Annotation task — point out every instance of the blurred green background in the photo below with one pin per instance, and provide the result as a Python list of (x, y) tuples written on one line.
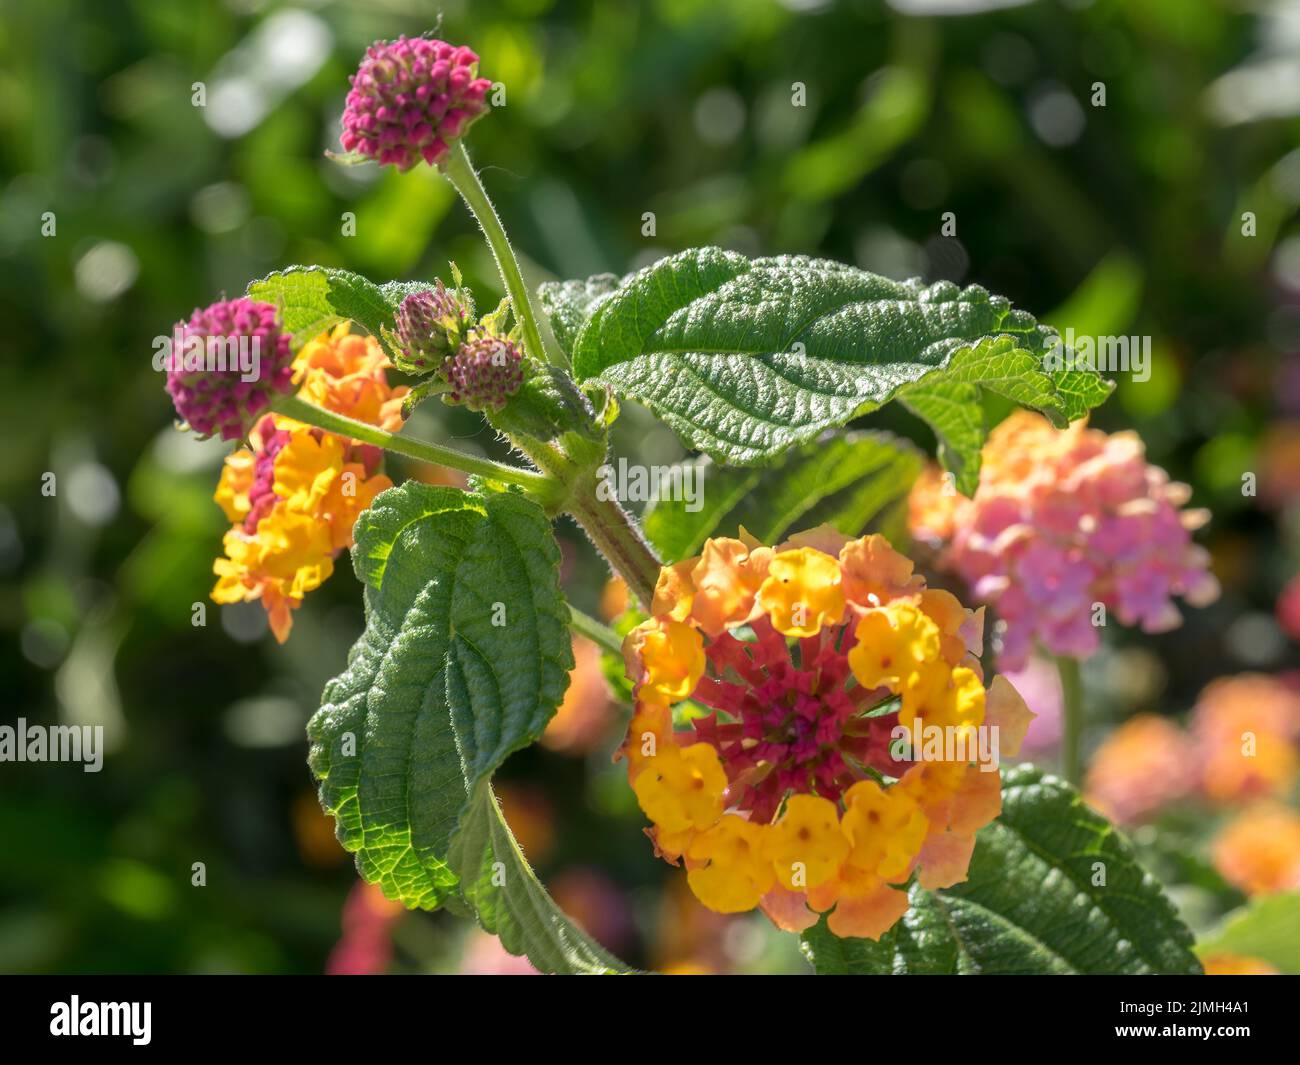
[(1122, 218)]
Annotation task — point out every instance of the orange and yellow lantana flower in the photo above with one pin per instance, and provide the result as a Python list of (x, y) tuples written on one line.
[(293, 495), (793, 794)]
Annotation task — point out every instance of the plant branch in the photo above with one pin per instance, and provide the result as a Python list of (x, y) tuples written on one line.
[(537, 484), (458, 169), (598, 633), (617, 537)]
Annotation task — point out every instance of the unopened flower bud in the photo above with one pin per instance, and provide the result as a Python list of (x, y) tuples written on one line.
[(430, 327), (485, 373)]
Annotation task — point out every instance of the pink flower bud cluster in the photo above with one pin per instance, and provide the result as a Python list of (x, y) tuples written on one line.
[(225, 366), (1066, 522), (430, 327), (485, 372), (411, 99)]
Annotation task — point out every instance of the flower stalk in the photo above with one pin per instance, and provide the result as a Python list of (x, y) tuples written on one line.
[(605, 522), (1072, 717), (539, 485), (601, 635), (458, 169), (608, 525)]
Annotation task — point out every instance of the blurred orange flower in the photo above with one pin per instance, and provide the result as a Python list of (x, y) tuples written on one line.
[(1144, 764), (528, 812), (1279, 464), (585, 716), (1241, 744), (1259, 851), (1245, 730), (1238, 965)]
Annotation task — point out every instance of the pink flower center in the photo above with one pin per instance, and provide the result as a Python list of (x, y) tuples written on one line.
[(784, 727), (262, 497)]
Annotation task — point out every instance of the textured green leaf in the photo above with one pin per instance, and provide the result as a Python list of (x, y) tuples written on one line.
[(1031, 903), (397, 798), (745, 359), (511, 902), (464, 658), (954, 411), (848, 480), (1267, 928), (568, 304), (510, 649), (315, 298)]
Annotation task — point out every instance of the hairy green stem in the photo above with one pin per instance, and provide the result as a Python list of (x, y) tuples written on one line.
[(537, 484), (458, 169), (607, 524), (1072, 717), (599, 634), (617, 537)]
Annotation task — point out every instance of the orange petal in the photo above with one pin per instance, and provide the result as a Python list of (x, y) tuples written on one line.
[(945, 858), (674, 591), (1005, 708), (972, 631), (978, 800), (788, 910), (278, 611), (868, 916), (726, 579), (872, 568), (824, 537)]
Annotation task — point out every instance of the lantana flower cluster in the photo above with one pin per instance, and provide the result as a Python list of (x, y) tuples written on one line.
[(411, 100), (789, 794), (294, 495), (1063, 520), (226, 365)]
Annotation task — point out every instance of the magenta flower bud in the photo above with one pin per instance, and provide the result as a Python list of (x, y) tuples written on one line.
[(411, 99), (430, 327), (485, 373), (225, 366)]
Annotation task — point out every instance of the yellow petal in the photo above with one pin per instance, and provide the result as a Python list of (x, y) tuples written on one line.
[(802, 592), (807, 846)]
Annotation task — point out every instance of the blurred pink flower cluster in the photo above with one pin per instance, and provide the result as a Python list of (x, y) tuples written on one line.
[(1064, 520)]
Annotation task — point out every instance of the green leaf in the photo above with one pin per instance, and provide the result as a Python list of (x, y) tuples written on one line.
[(1267, 928), (315, 298), (745, 359), (382, 742), (848, 480), (568, 304), (464, 658), (511, 902), (955, 412), (1032, 903)]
